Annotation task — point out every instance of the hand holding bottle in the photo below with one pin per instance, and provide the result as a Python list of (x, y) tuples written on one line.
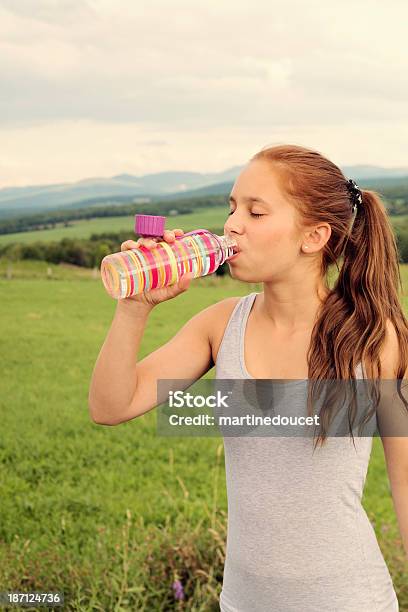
[(161, 294), (160, 259)]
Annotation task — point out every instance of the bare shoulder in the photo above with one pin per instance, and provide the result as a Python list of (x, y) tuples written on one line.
[(218, 315), (389, 354)]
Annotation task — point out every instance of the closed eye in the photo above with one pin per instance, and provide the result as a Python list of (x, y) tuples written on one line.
[(252, 214)]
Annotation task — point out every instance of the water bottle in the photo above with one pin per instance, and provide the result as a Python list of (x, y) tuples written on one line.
[(137, 270)]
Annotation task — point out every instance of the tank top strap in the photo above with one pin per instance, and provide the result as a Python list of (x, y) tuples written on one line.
[(228, 359)]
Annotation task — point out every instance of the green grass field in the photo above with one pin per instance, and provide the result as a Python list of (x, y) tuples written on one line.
[(203, 218), (399, 219), (112, 515)]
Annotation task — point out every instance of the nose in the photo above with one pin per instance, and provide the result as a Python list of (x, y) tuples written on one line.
[(233, 225)]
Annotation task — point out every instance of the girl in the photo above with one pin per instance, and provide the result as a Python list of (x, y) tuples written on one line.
[(298, 539)]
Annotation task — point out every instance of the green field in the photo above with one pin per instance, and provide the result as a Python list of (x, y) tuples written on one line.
[(399, 220), (203, 218), (112, 515)]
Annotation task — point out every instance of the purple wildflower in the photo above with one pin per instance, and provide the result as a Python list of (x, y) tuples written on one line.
[(178, 589)]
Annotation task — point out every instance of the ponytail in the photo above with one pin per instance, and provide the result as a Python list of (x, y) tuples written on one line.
[(352, 322)]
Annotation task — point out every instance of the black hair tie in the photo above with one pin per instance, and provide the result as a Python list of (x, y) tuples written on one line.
[(355, 194)]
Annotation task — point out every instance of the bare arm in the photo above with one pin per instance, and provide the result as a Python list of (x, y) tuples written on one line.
[(395, 448), (114, 378), (122, 388), (396, 455)]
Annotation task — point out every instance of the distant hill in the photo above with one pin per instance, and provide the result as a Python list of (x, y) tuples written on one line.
[(149, 185), (125, 187), (374, 172)]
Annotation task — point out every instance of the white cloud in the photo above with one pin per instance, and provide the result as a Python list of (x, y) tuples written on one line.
[(71, 150), (181, 72)]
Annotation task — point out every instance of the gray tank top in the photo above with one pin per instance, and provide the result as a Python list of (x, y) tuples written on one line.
[(298, 537)]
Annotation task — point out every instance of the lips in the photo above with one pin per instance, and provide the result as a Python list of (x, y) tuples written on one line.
[(236, 252)]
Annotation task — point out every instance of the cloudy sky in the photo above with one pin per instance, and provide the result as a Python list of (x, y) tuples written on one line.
[(101, 87)]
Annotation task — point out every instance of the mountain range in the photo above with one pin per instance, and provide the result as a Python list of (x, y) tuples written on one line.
[(93, 191)]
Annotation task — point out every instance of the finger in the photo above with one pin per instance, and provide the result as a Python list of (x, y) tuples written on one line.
[(144, 241), (129, 244), (185, 280), (152, 240), (181, 285), (169, 235), (178, 232), (150, 243)]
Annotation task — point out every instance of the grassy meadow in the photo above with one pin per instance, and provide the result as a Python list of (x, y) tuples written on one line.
[(202, 218), (113, 516)]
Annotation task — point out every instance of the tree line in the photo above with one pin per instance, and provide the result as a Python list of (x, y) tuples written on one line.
[(89, 252), (395, 197), (48, 220), (84, 252)]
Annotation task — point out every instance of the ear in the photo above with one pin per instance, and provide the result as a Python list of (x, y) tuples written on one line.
[(316, 238)]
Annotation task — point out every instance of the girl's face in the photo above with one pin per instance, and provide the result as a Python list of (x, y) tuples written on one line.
[(262, 221)]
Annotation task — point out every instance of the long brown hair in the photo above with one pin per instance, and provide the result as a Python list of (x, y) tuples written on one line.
[(351, 323)]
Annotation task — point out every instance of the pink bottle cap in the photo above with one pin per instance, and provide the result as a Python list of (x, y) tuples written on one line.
[(149, 225)]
